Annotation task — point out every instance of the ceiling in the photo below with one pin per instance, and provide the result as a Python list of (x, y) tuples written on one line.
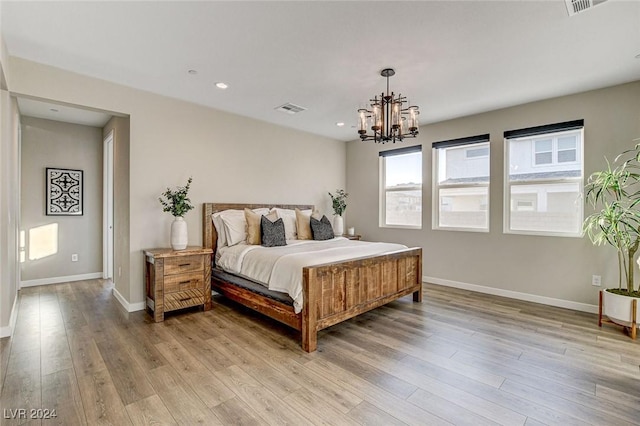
[(452, 58), (62, 112)]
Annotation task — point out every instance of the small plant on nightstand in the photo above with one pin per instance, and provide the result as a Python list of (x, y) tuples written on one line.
[(177, 203), (339, 205)]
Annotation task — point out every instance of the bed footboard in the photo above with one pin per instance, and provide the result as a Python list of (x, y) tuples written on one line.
[(338, 291)]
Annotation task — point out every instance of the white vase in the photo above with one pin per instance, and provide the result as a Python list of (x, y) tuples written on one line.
[(179, 235), (338, 225)]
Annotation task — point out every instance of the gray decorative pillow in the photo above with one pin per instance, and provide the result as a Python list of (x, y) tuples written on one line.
[(272, 233), (321, 229)]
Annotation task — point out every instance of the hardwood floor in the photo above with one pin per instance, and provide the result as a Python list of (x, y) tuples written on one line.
[(457, 358)]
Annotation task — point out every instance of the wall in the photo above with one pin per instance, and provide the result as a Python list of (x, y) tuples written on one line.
[(120, 128), (231, 158), (9, 199), (549, 269), (47, 143)]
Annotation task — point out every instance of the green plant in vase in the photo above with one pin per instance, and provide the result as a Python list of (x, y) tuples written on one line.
[(339, 202), (177, 203), (615, 195)]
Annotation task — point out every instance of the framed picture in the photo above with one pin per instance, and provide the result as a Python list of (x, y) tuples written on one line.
[(64, 192)]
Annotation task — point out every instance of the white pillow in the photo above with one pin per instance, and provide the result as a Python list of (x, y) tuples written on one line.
[(222, 236), (235, 225), (289, 219)]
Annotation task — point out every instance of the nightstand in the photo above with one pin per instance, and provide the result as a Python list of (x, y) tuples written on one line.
[(352, 237), (177, 279)]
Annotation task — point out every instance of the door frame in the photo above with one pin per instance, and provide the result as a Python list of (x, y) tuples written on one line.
[(107, 206)]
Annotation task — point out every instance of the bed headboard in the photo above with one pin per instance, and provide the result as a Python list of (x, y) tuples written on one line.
[(209, 234)]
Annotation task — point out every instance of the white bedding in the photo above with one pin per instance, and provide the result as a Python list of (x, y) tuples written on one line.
[(280, 268)]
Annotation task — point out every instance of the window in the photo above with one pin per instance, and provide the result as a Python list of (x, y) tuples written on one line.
[(477, 152), (401, 187), (461, 184), (562, 149), (543, 188)]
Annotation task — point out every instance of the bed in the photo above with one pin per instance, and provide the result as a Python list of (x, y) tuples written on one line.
[(332, 292)]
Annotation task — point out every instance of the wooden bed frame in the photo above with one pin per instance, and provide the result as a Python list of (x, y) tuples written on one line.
[(333, 292)]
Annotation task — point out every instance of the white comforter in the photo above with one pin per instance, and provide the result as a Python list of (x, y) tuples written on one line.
[(280, 268)]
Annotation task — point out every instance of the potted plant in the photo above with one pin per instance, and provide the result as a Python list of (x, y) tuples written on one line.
[(178, 204), (339, 204), (615, 195)]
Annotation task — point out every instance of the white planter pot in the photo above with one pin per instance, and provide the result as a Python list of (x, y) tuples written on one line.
[(179, 234), (618, 308), (338, 225)]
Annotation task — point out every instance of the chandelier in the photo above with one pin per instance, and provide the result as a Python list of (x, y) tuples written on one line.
[(388, 118)]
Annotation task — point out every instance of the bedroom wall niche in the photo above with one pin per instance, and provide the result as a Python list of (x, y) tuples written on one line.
[(552, 270), (51, 240)]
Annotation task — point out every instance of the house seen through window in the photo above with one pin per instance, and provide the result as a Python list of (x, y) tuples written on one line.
[(461, 184), (544, 174), (401, 187)]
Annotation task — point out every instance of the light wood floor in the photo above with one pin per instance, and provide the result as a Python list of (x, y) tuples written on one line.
[(457, 358)]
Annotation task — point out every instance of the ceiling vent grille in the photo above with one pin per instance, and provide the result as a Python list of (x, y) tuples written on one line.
[(576, 6), (290, 108)]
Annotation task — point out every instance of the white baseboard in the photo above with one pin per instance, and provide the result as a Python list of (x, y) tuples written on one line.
[(58, 280), (129, 307), (560, 303), (7, 331)]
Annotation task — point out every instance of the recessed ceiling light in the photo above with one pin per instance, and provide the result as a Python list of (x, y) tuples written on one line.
[(192, 72), (221, 85), (53, 110), (339, 124)]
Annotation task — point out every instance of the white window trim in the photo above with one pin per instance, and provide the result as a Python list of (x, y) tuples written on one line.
[(435, 197), (382, 199), (506, 211)]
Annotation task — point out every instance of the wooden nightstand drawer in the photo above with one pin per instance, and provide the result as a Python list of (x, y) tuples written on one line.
[(182, 264), (183, 299), (173, 283)]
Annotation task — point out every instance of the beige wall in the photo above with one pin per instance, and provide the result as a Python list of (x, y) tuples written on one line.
[(9, 209), (9, 198), (231, 158), (121, 261), (47, 143), (546, 267)]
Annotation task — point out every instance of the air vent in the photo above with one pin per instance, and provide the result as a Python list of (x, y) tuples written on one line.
[(576, 6), (290, 108)]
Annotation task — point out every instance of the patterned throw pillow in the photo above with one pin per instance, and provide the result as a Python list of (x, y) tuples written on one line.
[(321, 229), (272, 233)]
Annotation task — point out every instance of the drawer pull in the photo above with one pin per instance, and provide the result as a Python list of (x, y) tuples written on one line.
[(185, 299), (185, 282), (184, 264)]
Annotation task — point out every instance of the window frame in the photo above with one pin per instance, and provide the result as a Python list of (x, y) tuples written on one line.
[(466, 143), (382, 190), (554, 131)]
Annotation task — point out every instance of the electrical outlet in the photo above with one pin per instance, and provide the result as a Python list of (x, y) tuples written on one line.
[(74, 257), (596, 280), (119, 271)]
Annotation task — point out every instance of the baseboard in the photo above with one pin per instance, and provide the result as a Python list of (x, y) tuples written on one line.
[(7, 331), (58, 280), (129, 307), (560, 303)]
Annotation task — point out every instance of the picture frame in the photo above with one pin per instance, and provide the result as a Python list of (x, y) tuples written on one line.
[(64, 192)]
